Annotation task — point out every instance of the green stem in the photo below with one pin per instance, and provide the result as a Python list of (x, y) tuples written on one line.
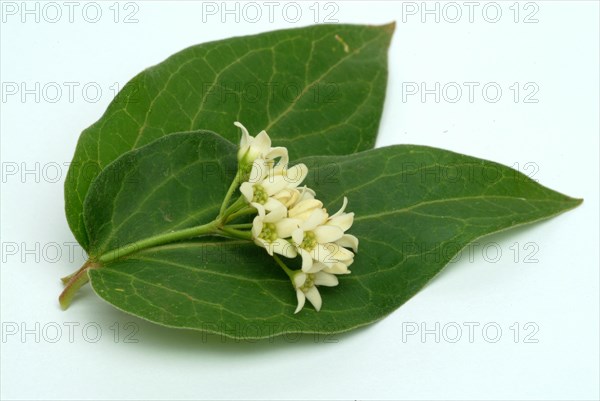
[(230, 191), (210, 228), (235, 206), (232, 232), (75, 283), (286, 269), (68, 278), (242, 225), (241, 212), (76, 280)]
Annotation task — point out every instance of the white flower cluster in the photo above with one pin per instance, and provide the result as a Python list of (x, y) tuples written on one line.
[(291, 221)]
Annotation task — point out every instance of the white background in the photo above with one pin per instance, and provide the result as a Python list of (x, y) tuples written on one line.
[(554, 300)]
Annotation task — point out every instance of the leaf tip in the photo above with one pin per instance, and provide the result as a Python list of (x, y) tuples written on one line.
[(572, 202), (389, 28)]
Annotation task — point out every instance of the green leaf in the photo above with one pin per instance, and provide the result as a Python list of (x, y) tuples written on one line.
[(315, 90), (176, 182), (415, 206)]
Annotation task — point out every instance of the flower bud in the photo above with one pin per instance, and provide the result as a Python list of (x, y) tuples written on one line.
[(252, 148)]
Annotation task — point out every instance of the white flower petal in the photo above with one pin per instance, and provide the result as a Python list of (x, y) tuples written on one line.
[(247, 190), (301, 300), (325, 234), (282, 247), (296, 174), (286, 227), (329, 254), (276, 214), (305, 206), (344, 204), (326, 279), (280, 152), (343, 221), (306, 193), (259, 171), (262, 143), (341, 254), (245, 135), (314, 297), (260, 209), (259, 147), (287, 196), (316, 267), (337, 268), (274, 184), (297, 236), (257, 226), (307, 260), (324, 253), (299, 279), (273, 204), (316, 218), (348, 241)]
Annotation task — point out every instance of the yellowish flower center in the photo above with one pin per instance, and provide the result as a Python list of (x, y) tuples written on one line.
[(309, 241), (309, 283), (260, 195), (268, 233)]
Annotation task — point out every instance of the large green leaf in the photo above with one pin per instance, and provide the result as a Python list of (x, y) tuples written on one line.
[(415, 206), (176, 182), (316, 90)]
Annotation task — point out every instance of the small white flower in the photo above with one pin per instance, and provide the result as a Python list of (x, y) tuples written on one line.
[(294, 200), (269, 188), (304, 208), (336, 268), (270, 230), (287, 196), (290, 221), (320, 238), (344, 221), (305, 284), (306, 193), (259, 147)]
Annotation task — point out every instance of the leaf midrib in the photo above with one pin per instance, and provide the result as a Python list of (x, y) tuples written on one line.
[(317, 80), (410, 208)]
